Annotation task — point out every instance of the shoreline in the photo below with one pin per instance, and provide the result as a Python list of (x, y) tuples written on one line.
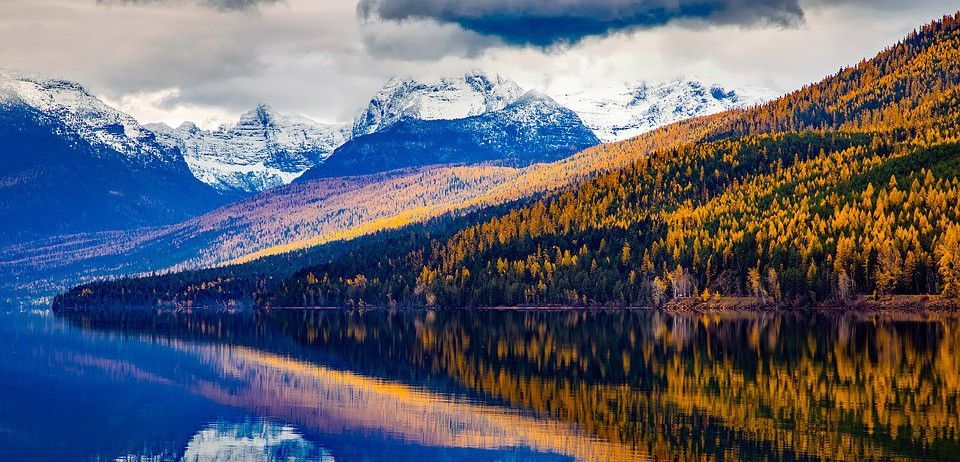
[(896, 303), (862, 304)]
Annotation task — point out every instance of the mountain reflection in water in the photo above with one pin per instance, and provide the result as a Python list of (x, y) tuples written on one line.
[(524, 385), (250, 441)]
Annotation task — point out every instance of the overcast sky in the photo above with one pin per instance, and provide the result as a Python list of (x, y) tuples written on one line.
[(209, 60)]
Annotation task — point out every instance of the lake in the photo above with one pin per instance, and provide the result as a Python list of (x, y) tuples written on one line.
[(478, 385)]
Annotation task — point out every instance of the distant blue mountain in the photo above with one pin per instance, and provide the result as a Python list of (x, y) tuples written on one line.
[(532, 129), (69, 165)]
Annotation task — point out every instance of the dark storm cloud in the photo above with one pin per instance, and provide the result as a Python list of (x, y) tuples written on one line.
[(220, 5), (545, 23)]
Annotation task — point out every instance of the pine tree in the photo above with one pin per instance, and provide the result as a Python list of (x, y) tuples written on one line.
[(948, 261)]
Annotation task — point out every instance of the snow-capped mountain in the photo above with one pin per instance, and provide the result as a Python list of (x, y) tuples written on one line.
[(266, 148), (263, 150), (533, 128), (472, 94), (83, 113), (72, 164), (624, 111)]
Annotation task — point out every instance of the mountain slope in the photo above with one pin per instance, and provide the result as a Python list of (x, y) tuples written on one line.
[(69, 163), (263, 150), (266, 226), (284, 219), (532, 129), (624, 111), (310, 213), (472, 94)]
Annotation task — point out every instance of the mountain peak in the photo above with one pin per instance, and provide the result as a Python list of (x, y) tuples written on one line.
[(263, 115), (618, 112), (536, 96), (78, 109), (188, 127), (266, 148), (486, 81), (472, 93)]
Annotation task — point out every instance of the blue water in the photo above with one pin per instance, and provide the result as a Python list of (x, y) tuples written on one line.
[(491, 385), (73, 394)]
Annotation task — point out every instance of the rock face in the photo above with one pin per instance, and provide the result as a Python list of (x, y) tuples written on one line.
[(625, 111), (263, 150), (533, 128), (70, 164), (472, 94)]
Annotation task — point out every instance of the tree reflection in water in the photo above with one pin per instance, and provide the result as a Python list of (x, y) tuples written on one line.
[(598, 384)]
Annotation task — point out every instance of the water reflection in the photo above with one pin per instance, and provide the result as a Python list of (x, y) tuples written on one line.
[(532, 385), (252, 441)]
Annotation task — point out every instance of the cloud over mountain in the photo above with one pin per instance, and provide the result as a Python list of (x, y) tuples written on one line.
[(546, 23)]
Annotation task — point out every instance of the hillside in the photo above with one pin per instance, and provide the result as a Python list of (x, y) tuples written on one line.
[(284, 219), (240, 284)]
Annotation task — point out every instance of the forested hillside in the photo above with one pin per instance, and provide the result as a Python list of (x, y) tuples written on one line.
[(845, 187), (239, 285)]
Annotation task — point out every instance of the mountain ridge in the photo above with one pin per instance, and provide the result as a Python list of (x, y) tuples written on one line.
[(620, 112), (83, 113), (235, 164), (455, 97), (264, 149)]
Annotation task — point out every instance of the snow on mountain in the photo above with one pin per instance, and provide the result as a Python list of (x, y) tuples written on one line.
[(472, 94), (535, 106), (83, 113), (267, 149), (263, 150), (623, 111), (72, 164), (531, 129)]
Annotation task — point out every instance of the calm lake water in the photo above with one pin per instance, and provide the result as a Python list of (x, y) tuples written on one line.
[(489, 385)]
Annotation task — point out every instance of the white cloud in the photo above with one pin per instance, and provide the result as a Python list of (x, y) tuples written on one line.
[(164, 105)]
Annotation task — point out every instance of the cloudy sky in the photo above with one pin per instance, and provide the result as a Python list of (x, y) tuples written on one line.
[(209, 60)]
